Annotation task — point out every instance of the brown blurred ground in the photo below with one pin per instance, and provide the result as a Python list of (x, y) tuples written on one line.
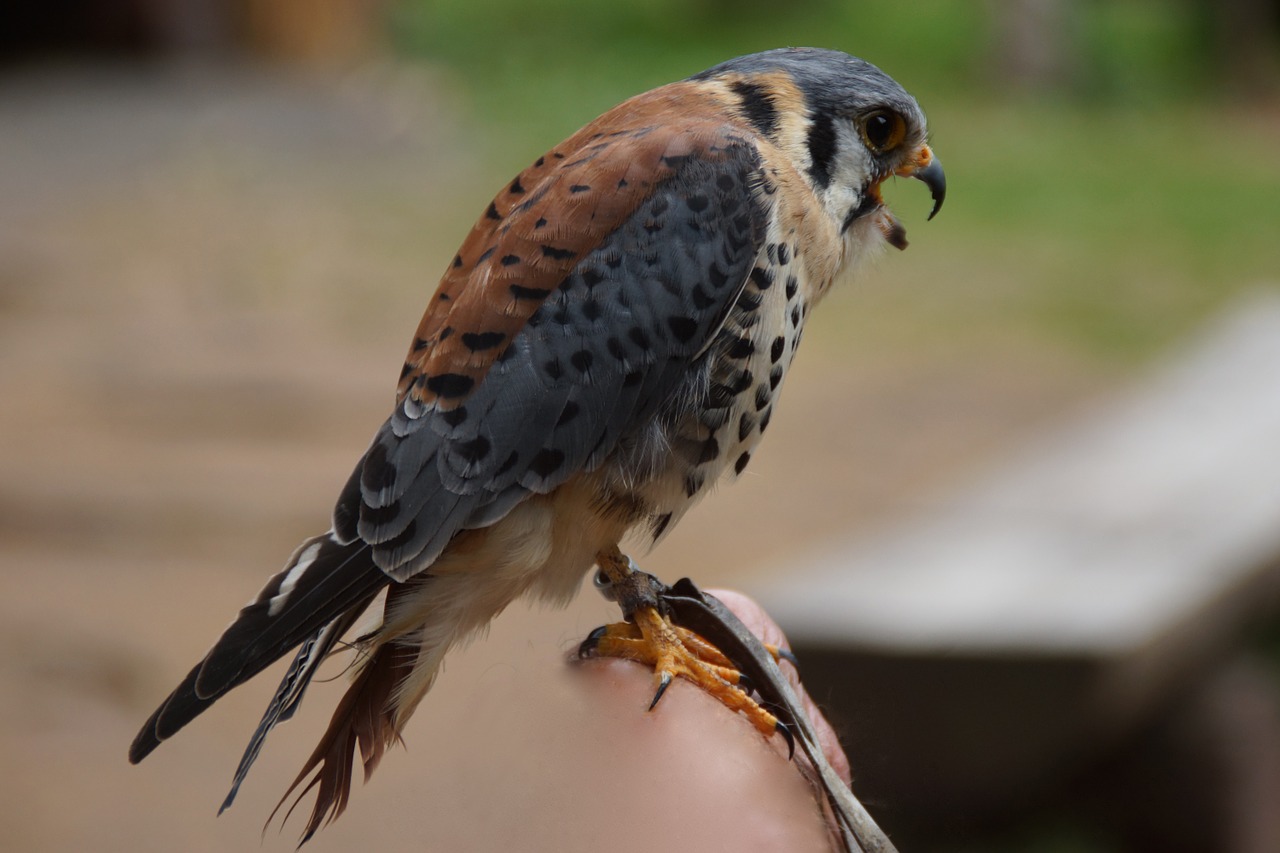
[(207, 281)]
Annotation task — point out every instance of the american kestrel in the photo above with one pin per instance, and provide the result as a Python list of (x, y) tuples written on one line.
[(610, 338)]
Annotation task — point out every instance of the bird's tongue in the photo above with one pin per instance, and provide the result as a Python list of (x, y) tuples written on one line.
[(894, 233)]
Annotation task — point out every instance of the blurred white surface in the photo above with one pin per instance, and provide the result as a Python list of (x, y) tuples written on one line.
[(1162, 510)]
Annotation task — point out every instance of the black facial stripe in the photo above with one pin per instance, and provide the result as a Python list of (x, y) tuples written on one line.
[(865, 206), (822, 149), (757, 106)]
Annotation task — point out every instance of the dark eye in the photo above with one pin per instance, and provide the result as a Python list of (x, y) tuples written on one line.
[(883, 130)]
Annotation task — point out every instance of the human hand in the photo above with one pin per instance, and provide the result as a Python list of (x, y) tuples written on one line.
[(696, 770)]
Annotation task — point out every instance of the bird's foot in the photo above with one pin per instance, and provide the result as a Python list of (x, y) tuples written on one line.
[(650, 637)]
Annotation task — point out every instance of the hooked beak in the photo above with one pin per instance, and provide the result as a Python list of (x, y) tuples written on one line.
[(922, 166), (927, 168)]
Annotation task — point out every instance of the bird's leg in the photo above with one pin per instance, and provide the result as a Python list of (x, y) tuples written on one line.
[(649, 636)]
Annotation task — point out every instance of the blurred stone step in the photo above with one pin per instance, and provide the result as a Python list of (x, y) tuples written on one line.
[(1014, 630)]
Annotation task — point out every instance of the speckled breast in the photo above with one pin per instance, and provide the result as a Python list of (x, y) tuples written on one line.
[(715, 426)]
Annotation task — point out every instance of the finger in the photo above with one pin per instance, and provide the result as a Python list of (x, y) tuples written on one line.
[(760, 623)]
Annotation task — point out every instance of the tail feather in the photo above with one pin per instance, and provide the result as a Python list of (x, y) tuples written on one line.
[(327, 580), (364, 719), (289, 694), (324, 579)]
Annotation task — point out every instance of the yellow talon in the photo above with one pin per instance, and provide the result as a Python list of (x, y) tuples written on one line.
[(677, 652)]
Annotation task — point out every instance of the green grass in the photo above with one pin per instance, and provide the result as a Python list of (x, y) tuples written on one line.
[(1105, 222), (1113, 229)]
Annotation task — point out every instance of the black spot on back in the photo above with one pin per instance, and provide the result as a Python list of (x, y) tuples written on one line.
[(717, 277), (519, 291), (571, 410), (474, 450), (701, 300), (449, 385), (481, 341), (639, 337), (510, 463), (684, 328), (557, 254), (547, 462)]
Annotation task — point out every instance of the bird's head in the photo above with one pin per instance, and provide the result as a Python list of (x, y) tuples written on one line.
[(845, 124)]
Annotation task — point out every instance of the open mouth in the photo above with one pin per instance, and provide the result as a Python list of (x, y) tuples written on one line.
[(924, 167), (895, 234), (872, 204)]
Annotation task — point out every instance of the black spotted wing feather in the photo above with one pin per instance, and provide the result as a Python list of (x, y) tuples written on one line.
[(326, 582), (522, 374), (597, 358)]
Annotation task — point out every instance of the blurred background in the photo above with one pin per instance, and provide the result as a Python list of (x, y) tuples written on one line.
[(220, 221)]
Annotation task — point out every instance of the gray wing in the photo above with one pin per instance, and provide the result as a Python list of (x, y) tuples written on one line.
[(595, 362)]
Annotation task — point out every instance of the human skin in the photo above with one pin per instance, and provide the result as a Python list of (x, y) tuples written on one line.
[(688, 775)]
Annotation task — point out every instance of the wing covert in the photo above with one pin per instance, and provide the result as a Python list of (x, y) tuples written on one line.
[(603, 349)]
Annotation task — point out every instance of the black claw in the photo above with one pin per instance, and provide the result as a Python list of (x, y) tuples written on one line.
[(785, 730), (745, 684), (662, 688), (602, 582), (588, 645), (789, 656)]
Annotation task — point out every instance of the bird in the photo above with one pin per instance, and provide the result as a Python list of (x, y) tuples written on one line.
[(608, 341)]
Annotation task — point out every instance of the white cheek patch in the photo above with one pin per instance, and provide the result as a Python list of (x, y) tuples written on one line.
[(850, 171)]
